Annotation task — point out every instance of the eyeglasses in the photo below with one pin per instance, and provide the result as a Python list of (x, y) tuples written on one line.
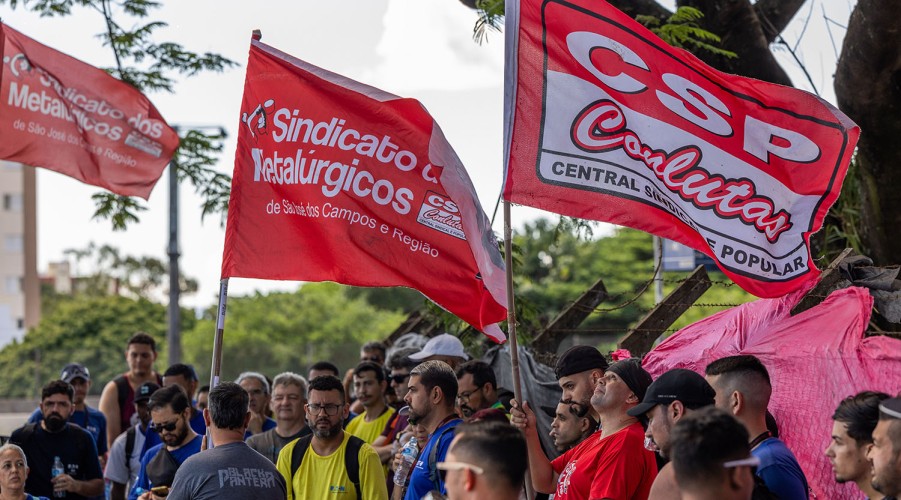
[(168, 427), (464, 396), (443, 467), (750, 462), (330, 410), (398, 379)]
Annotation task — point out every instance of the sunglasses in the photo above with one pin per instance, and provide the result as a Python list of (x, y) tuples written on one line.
[(398, 379), (443, 467), (168, 427)]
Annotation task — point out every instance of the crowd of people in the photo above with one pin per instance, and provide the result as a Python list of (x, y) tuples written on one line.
[(431, 423)]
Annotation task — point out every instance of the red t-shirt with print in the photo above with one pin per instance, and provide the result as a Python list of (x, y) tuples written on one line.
[(576, 468), (625, 469)]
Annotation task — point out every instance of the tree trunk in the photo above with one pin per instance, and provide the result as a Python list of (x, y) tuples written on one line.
[(868, 87)]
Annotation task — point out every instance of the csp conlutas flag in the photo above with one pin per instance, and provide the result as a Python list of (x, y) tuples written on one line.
[(338, 181), (59, 113), (605, 121)]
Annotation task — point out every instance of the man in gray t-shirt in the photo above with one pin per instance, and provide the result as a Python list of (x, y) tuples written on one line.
[(231, 470)]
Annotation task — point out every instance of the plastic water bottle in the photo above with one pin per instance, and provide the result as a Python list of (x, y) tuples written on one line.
[(55, 471), (408, 458)]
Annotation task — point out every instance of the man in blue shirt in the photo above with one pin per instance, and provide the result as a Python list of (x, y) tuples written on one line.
[(431, 396), (89, 419), (184, 376), (170, 411), (742, 385)]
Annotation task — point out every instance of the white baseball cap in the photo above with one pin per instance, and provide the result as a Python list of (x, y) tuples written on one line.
[(441, 345)]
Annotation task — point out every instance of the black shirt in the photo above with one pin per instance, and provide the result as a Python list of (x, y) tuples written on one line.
[(73, 445)]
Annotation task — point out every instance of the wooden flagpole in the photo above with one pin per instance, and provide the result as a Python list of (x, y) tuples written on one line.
[(216, 365), (511, 323)]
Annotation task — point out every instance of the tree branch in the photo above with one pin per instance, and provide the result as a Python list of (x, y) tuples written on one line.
[(775, 15)]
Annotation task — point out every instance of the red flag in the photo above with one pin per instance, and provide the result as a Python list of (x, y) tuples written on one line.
[(605, 121), (59, 113), (338, 181)]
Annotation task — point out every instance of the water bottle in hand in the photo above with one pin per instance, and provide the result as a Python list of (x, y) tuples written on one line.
[(55, 471), (408, 458)]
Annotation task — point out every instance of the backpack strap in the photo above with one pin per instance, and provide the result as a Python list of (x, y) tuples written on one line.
[(27, 432), (122, 387), (129, 447), (434, 477), (351, 458), (352, 461)]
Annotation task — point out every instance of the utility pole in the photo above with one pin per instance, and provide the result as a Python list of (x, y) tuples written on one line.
[(173, 336)]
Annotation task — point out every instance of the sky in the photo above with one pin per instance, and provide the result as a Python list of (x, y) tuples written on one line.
[(412, 48)]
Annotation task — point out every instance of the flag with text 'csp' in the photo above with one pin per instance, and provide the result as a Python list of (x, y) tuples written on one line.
[(59, 113), (605, 121), (338, 181)]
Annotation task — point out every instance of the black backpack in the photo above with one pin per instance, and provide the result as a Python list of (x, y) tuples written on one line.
[(351, 459)]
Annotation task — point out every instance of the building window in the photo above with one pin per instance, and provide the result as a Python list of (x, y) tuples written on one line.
[(13, 284), (12, 202), (13, 243)]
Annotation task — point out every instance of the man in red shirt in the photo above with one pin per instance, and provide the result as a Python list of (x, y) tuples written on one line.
[(613, 462)]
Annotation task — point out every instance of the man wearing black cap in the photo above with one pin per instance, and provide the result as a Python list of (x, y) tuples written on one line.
[(578, 372), (125, 453), (885, 454), (89, 419), (672, 396), (612, 462)]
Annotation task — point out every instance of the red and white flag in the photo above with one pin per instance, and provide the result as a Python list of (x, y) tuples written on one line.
[(59, 113), (605, 121), (338, 181)]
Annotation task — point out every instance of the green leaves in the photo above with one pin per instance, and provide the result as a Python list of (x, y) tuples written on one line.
[(682, 30)]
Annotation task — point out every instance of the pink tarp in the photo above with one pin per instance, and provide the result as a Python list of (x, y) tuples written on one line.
[(815, 360)]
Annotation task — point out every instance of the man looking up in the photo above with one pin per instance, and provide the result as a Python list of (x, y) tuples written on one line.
[(885, 454), (671, 397), (476, 388), (89, 419), (231, 470), (54, 438), (742, 386), (257, 388), (317, 466), (370, 386), (711, 457), (431, 395), (289, 396), (611, 463), (117, 398), (485, 460), (852, 437), (169, 414)]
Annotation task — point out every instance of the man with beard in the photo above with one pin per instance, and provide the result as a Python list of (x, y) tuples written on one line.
[(369, 386), (170, 410), (476, 388), (185, 377), (289, 396), (231, 470), (852, 437), (885, 454), (612, 462), (578, 371), (117, 399), (572, 424), (54, 438), (89, 419), (675, 394), (322, 465)]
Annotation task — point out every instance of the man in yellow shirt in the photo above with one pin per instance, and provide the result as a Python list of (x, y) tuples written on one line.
[(369, 386), (322, 469)]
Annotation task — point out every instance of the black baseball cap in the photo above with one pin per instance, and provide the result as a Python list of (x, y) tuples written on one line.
[(73, 371), (677, 384), (144, 392), (578, 359)]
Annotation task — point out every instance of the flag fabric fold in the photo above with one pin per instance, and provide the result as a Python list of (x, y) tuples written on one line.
[(338, 181), (605, 121), (59, 113)]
